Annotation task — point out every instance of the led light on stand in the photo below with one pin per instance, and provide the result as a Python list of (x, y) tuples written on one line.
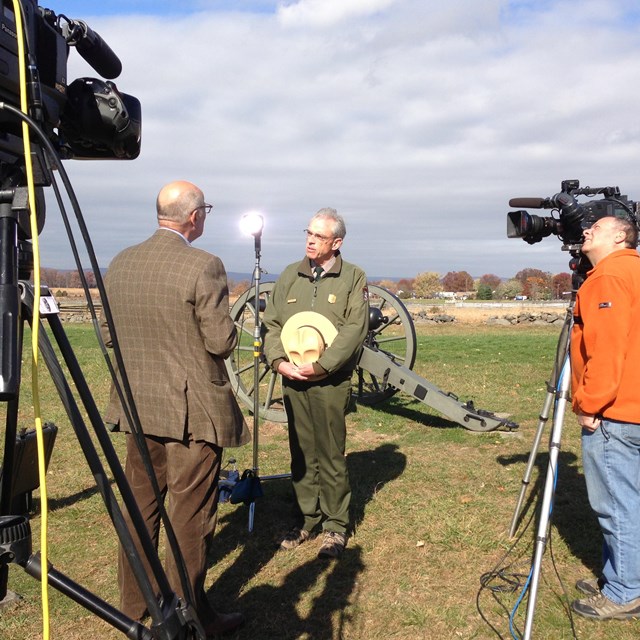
[(252, 223)]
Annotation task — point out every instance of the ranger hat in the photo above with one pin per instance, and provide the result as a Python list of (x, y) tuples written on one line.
[(306, 335)]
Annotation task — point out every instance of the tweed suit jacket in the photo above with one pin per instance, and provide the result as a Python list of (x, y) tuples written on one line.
[(170, 308)]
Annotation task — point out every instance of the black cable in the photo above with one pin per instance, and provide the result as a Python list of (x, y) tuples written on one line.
[(565, 601), (511, 582)]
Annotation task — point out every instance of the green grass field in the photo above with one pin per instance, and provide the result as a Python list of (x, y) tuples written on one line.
[(432, 504)]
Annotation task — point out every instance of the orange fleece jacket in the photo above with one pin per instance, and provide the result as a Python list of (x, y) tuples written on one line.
[(605, 339)]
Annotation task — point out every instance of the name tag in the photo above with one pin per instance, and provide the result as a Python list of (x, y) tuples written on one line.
[(291, 300)]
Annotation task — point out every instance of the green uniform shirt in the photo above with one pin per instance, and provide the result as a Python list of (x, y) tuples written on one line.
[(341, 295)]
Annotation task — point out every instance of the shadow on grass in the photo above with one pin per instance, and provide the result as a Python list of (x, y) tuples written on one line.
[(273, 611), (67, 501), (571, 516), (408, 408), (369, 471)]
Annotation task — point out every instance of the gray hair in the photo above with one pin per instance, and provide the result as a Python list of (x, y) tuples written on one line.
[(630, 231), (339, 228)]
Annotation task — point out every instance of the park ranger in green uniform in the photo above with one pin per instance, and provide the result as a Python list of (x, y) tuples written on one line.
[(317, 387)]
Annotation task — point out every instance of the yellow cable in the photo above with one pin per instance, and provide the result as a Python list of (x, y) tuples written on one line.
[(17, 10)]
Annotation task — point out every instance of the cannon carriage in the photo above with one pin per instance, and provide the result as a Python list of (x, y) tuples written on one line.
[(384, 367)]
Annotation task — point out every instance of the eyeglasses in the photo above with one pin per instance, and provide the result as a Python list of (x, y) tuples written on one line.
[(317, 236), (207, 208)]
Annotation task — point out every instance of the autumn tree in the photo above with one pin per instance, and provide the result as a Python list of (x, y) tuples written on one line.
[(491, 280), (508, 289), (90, 278), (389, 285), (427, 284), (537, 288), (405, 287), (536, 284), (457, 281), (236, 289), (73, 280), (530, 272), (561, 283), (50, 277)]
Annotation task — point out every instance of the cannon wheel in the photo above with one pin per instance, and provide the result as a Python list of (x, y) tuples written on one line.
[(240, 364), (395, 336)]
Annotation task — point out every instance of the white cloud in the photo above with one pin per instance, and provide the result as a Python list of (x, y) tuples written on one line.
[(418, 120), (325, 13)]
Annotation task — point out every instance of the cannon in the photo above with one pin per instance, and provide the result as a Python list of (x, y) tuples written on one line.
[(383, 369)]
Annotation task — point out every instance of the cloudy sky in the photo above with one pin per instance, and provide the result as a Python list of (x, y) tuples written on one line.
[(417, 119)]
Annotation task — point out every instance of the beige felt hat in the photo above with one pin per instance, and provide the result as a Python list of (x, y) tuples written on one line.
[(306, 335)]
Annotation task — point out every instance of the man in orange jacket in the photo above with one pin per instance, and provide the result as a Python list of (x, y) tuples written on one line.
[(605, 351)]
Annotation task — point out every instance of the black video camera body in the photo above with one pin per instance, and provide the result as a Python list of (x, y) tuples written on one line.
[(574, 217), (88, 118)]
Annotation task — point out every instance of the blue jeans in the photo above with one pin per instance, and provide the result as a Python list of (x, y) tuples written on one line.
[(611, 461)]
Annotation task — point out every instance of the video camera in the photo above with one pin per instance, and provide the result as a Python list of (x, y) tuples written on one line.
[(574, 217), (88, 118)]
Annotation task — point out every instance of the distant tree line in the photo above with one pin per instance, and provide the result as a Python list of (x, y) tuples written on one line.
[(70, 279), (65, 278), (533, 284)]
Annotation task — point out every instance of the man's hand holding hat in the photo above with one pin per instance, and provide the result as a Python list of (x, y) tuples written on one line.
[(304, 337)]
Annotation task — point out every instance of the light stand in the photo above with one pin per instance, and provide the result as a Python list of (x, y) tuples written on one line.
[(252, 223)]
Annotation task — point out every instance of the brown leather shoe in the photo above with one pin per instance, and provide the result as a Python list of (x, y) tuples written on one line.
[(223, 624)]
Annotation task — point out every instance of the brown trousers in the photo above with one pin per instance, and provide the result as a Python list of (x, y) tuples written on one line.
[(187, 474)]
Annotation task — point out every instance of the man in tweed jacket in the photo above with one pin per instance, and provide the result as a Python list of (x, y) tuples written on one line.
[(170, 309)]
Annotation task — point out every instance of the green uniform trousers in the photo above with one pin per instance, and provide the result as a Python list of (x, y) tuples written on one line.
[(317, 438)]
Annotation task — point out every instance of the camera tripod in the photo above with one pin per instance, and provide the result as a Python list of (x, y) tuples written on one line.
[(170, 616), (557, 397)]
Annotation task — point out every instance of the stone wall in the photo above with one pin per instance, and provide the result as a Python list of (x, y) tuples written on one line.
[(76, 310), (528, 318), (496, 314)]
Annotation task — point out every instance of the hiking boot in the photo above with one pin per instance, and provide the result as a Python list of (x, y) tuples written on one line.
[(599, 607), (590, 586), (333, 544), (294, 538)]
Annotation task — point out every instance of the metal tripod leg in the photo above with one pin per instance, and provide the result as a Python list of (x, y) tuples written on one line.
[(549, 492), (562, 351), (526, 479)]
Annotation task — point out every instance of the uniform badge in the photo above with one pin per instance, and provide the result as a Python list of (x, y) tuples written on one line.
[(332, 298)]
